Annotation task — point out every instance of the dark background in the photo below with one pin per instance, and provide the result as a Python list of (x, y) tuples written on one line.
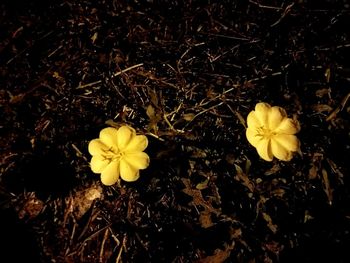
[(186, 74)]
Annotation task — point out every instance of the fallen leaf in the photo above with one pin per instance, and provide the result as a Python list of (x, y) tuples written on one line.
[(203, 185), (155, 116), (241, 176), (270, 225), (274, 169), (31, 207), (313, 172), (197, 197), (322, 92), (342, 105), (205, 219), (326, 186), (321, 108), (219, 256), (188, 116), (83, 199)]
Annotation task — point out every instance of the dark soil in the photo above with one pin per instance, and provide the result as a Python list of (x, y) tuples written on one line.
[(186, 74)]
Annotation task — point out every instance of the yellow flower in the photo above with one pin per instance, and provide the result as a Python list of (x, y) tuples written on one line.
[(272, 133), (118, 152)]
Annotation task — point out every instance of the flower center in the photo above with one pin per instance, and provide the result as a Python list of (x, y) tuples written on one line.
[(113, 154), (265, 132)]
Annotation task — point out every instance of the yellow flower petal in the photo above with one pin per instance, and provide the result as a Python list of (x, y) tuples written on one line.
[(264, 150), (138, 160), (98, 163), (253, 136), (253, 121), (137, 144), (288, 126), (271, 132), (110, 174), (279, 151), (127, 172), (261, 111), (109, 137), (289, 142), (124, 135), (275, 117), (97, 147)]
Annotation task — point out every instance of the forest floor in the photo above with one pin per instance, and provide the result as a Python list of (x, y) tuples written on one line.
[(185, 74)]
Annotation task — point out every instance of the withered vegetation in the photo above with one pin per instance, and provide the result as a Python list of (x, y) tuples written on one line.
[(186, 74)]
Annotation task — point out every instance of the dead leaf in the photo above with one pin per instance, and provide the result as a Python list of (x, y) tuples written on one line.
[(197, 197), (274, 169), (278, 192), (333, 115), (327, 74), (322, 92), (235, 233), (342, 105), (150, 111), (218, 257), (321, 108), (83, 199), (153, 97), (205, 219), (313, 172), (155, 116), (241, 119), (94, 37), (248, 164), (270, 225), (241, 176), (196, 152), (31, 207), (274, 247), (315, 165), (326, 186), (112, 123), (203, 185), (188, 116), (307, 216)]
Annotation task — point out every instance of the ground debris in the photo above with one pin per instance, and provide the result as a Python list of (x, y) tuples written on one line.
[(186, 74)]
